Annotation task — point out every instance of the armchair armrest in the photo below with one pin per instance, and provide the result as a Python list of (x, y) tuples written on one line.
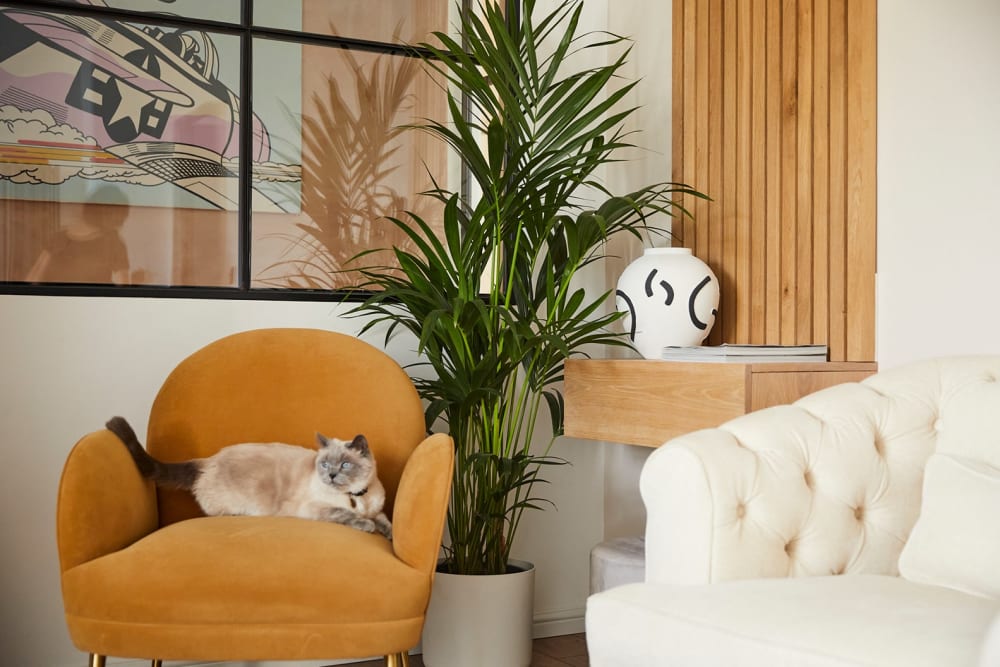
[(422, 502), (103, 504)]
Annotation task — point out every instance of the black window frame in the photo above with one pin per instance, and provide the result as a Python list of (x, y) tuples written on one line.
[(247, 32)]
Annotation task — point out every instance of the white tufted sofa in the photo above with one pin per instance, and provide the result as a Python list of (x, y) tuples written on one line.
[(787, 536)]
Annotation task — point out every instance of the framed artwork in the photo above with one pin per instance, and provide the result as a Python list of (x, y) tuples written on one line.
[(128, 156)]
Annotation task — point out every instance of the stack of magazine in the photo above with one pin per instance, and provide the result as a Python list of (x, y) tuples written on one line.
[(746, 353)]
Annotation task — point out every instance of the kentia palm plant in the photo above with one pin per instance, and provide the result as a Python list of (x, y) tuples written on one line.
[(492, 300)]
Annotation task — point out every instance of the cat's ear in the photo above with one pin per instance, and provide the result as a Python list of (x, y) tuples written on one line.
[(359, 444), (322, 441)]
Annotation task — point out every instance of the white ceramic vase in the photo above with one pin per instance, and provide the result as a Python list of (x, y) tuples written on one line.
[(482, 620), (669, 297)]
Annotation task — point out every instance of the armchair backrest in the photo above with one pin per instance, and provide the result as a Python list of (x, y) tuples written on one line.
[(828, 485), (284, 385)]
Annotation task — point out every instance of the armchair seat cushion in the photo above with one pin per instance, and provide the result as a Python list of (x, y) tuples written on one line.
[(803, 622), (230, 586)]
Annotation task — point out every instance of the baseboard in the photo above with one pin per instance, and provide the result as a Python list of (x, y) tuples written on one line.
[(556, 623), (546, 624)]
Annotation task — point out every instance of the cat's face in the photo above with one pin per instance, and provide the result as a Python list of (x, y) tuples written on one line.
[(342, 464)]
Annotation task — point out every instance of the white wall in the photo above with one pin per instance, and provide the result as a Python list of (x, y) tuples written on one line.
[(938, 178), (69, 364), (648, 24)]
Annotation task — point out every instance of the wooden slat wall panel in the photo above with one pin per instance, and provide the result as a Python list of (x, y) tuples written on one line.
[(774, 118), (861, 166), (743, 163), (821, 172), (772, 168), (789, 169), (758, 168), (677, 102), (729, 239), (804, 186), (838, 157)]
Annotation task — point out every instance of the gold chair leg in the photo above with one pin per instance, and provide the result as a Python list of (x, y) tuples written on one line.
[(96, 660), (397, 660), (157, 663)]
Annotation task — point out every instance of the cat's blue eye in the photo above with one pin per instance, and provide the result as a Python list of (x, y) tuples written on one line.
[(325, 465), (346, 465)]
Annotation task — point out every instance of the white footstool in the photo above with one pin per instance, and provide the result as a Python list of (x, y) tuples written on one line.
[(617, 562)]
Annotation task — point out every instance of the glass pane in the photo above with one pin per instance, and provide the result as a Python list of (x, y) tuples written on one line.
[(118, 152), (340, 161), (213, 10), (396, 21)]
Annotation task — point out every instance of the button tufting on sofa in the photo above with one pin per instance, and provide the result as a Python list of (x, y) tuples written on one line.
[(831, 496)]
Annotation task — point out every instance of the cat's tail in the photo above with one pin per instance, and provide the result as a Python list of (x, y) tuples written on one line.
[(175, 475)]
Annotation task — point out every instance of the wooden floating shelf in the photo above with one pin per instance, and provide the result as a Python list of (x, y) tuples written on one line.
[(647, 402)]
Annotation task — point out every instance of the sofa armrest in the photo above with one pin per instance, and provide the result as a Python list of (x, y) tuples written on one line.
[(990, 656), (828, 485), (680, 488), (103, 503), (679, 516), (422, 502)]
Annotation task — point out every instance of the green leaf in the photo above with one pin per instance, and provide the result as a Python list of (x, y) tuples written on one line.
[(497, 141)]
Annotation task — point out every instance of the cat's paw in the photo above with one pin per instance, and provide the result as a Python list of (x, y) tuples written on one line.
[(383, 527), (366, 525)]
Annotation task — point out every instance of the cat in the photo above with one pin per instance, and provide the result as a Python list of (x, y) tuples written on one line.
[(337, 483)]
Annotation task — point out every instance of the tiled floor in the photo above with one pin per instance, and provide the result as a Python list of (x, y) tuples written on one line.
[(561, 651)]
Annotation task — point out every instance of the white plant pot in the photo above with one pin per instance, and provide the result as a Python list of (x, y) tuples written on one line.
[(480, 620), (669, 297)]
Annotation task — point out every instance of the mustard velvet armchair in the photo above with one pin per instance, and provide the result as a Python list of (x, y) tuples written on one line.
[(146, 575)]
